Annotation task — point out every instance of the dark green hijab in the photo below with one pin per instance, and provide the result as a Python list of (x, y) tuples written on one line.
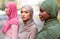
[(50, 6)]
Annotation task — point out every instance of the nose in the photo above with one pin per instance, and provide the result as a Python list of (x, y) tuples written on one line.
[(23, 14)]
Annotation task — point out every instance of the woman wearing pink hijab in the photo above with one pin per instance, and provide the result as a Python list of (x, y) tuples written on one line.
[(10, 29)]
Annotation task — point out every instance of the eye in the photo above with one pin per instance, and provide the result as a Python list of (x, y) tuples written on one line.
[(26, 11), (21, 11), (41, 10)]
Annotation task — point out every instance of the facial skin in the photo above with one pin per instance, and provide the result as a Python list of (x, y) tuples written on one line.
[(25, 14), (7, 10), (43, 15)]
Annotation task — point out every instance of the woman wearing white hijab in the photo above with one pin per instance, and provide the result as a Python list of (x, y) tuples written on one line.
[(29, 29)]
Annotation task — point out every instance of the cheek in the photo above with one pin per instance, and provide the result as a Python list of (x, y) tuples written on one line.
[(7, 11), (25, 16), (28, 16), (45, 16), (42, 16)]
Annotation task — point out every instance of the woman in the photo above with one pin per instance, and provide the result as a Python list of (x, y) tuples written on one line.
[(10, 29), (49, 11), (30, 29)]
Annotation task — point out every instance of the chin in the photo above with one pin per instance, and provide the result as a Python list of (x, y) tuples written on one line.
[(24, 20)]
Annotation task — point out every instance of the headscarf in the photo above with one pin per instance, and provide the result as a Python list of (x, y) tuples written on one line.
[(51, 7), (29, 8), (30, 21), (12, 17)]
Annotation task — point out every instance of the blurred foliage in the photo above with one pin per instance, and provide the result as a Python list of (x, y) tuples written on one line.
[(58, 2), (3, 2)]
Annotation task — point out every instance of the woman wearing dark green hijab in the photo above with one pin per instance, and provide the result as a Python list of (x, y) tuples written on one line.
[(49, 11)]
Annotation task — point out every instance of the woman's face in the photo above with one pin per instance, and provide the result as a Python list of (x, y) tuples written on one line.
[(25, 14), (43, 15), (7, 10)]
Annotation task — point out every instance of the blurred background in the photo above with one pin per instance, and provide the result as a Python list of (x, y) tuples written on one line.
[(3, 2), (58, 2), (20, 3)]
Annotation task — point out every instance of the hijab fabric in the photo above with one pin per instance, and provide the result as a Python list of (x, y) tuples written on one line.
[(12, 17)]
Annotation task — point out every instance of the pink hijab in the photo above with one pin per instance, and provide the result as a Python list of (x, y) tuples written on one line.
[(12, 17)]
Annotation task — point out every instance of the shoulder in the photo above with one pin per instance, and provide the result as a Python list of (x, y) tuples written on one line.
[(34, 27), (52, 23)]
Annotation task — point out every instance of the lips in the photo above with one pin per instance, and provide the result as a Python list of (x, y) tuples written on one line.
[(23, 17)]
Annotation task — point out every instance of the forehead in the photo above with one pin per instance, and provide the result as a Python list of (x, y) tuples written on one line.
[(24, 9), (41, 8)]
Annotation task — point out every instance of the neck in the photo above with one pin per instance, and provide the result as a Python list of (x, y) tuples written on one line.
[(27, 21)]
